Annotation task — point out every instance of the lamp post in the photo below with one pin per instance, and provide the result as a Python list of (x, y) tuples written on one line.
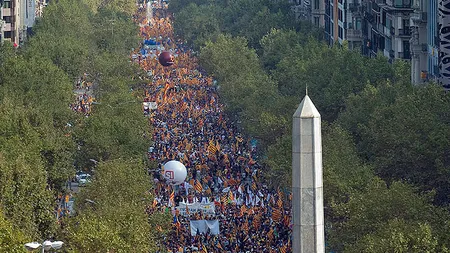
[(45, 246)]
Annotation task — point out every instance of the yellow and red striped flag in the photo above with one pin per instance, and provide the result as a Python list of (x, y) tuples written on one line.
[(257, 221), (276, 215), (224, 198), (280, 202), (254, 186), (172, 198), (230, 197), (198, 186), (212, 149), (217, 146), (244, 227), (243, 210), (286, 220), (270, 234)]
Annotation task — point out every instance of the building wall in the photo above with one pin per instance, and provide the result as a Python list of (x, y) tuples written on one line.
[(433, 39), (318, 12), (20, 18), (2, 23), (444, 42)]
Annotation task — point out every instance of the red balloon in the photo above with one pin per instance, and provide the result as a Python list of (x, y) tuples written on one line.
[(166, 59)]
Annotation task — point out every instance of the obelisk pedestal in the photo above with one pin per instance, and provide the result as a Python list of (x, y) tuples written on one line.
[(307, 185)]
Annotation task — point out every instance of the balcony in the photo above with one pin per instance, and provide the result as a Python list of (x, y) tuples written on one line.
[(7, 12), (419, 17), (406, 32), (404, 55), (424, 47), (353, 7), (387, 31), (369, 17), (353, 35), (8, 27)]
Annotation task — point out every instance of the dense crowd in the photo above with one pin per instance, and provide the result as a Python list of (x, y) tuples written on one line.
[(190, 126)]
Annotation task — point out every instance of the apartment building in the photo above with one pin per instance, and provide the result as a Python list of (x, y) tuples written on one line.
[(412, 30), (17, 16), (343, 22), (444, 43), (430, 25), (310, 10), (423, 36), (386, 28)]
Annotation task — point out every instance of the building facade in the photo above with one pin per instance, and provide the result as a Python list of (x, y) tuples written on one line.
[(386, 28), (444, 43), (343, 22), (310, 10), (412, 30), (18, 17)]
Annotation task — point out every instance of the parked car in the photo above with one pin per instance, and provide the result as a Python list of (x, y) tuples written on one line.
[(79, 174), (84, 179)]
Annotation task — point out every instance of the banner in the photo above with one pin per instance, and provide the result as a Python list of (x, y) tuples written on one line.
[(206, 208), (202, 226), (150, 105)]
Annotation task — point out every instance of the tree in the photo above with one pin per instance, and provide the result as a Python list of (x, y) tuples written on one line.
[(366, 212), (399, 236), (248, 91), (404, 133), (114, 32), (278, 44), (199, 24), (114, 219), (11, 239)]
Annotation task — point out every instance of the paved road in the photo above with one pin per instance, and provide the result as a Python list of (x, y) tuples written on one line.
[(73, 187)]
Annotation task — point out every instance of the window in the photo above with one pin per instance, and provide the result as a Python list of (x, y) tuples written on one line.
[(316, 4), (388, 23), (340, 14), (316, 21), (7, 4), (340, 32), (406, 50), (8, 35), (402, 3), (7, 19), (358, 24), (388, 44)]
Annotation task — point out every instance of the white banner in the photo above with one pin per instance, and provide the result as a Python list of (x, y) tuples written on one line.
[(150, 105), (202, 226), (206, 208)]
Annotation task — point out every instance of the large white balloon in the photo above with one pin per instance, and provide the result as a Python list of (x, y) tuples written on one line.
[(174, 172)]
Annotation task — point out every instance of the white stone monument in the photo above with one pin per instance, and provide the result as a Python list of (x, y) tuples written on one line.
[(307, 188)]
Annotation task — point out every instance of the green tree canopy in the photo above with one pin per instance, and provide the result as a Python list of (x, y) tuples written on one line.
[(114, 218)]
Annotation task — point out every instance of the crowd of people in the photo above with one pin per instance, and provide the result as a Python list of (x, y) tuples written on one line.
[(83, 95), (190, 126)]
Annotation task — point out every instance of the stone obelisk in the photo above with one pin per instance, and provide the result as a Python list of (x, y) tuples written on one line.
[(307, 188)]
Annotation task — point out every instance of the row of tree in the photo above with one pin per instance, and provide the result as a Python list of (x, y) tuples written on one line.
[(386, 142), (43, 141)]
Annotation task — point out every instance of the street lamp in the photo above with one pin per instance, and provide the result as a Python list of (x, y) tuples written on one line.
[(47, 245)]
